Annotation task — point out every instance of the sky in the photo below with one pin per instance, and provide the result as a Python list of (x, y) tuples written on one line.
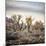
[(26, 9)]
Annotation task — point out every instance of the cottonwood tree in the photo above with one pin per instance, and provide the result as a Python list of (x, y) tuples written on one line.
[(16, 25), (29, 22)]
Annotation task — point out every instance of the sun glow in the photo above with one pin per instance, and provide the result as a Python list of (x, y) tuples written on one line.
[(35, 16)]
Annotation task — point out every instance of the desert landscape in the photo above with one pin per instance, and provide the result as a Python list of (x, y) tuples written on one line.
[(21, 33), (25, 22)]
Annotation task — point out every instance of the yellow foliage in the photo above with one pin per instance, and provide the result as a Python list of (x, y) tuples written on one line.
[(29, 21)]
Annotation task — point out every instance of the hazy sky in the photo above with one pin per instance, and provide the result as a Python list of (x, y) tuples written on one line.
[(34, 9)]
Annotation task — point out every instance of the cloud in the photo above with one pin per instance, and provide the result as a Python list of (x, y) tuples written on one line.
[(25, 6)]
